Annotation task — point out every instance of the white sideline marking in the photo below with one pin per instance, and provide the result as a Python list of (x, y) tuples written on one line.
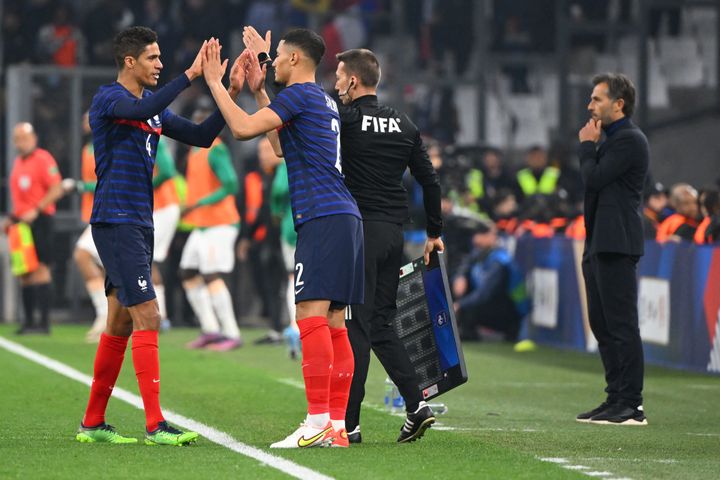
[(212, 434), (565, 463), (704, 434)]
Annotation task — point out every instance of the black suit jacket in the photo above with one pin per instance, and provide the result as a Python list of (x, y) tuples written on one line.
[(614, 174)]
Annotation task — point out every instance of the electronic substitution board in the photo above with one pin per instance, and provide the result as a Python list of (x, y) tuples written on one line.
[(425, 323)]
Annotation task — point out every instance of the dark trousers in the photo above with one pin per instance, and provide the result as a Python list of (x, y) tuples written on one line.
[(612, 295), (371, 323)]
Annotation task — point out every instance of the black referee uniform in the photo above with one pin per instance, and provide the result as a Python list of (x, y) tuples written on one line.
[(378, 144)]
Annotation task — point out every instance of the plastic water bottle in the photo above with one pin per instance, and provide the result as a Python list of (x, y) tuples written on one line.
[(389, 386), (394, 402), (398, 402), (438, 408)]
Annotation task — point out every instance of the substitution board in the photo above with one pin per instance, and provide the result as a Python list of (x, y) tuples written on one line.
[(425, 323)]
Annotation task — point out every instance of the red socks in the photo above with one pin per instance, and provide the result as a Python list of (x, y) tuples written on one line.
[(147, 369), (342, 373), (317, 359), (108, 361)]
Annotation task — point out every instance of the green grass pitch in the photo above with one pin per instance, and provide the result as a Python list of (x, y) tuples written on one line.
[(515, 413)]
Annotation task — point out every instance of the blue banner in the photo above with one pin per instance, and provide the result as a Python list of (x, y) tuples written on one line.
[(679, 300)]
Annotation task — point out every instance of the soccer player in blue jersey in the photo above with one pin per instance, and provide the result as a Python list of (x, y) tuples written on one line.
[(126, 121), (329, 255)]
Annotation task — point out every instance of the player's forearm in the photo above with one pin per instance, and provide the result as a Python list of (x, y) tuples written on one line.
[(262, 100), (235, 117), (148, 107), (53, 195), (431, 202)]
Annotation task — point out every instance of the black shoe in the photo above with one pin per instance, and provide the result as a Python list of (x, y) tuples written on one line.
[(416, 424), (272, 338), (32, 331), (586, 416), (620, 414), (354, 436)]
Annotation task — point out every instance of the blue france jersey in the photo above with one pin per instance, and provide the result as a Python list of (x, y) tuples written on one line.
[(124, 160), (310, 139)]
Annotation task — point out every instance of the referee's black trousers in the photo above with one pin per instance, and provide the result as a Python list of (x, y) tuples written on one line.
[(612, 294), (371, 323)]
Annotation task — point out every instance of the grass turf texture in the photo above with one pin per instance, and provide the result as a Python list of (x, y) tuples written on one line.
[(515, 409)]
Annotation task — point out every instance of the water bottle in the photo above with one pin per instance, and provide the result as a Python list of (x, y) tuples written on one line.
[(438, 408), (398, 402), (389, 386)]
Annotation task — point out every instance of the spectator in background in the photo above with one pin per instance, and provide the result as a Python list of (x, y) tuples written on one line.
[(451, 32), (86, 255), (682, 224), (61, 42), (489, 289), (709, 229), (101, 24), (537, 178), (259, 240), (282, 214), (485, 182), (656, 201), (35, 186), (209, 252)]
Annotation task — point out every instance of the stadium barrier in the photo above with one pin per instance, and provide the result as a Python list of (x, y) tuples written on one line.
[(679, 300)]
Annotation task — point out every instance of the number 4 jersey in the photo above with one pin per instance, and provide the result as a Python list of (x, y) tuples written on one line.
[(310, 140)]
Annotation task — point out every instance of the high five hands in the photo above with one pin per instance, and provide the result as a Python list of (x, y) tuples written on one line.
[(213, 68), (246, 66)]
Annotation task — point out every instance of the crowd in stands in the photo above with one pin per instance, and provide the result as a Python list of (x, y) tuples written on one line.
[(485, 196)]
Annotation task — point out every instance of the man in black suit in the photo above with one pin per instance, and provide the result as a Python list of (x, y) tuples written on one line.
[(613, 172)]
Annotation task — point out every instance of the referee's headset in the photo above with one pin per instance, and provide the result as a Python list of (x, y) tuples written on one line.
[(352, 84)]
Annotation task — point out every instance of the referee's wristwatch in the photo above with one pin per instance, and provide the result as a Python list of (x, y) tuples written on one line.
[(264, 57)]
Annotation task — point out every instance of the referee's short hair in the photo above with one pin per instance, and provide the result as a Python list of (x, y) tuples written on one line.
[(363, 63), (619, 86), (132, 42)]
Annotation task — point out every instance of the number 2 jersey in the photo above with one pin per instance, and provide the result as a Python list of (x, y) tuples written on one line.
[(310, 140)]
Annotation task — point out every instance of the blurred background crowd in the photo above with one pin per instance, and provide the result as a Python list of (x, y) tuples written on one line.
[(498, 88)]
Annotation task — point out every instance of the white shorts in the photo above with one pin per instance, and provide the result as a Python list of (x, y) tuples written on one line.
[(165, 221), (210, 250), (85, 242), (288, 255)]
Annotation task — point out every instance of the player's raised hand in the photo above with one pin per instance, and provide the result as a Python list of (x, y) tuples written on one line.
[(213, 68), (254, 73), (253, 40), (237, 76), (195, 69)]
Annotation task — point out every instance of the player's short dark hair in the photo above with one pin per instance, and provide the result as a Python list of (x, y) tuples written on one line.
[(363, 63), (619, 86), (308, 41), (132, 42)]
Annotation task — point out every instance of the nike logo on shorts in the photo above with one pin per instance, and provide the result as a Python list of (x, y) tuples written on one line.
[(299, 290)]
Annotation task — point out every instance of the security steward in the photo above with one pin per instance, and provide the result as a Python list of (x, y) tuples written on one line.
[(378, 144)]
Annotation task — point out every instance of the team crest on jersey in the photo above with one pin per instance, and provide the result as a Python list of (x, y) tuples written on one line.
[(154, 122)]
